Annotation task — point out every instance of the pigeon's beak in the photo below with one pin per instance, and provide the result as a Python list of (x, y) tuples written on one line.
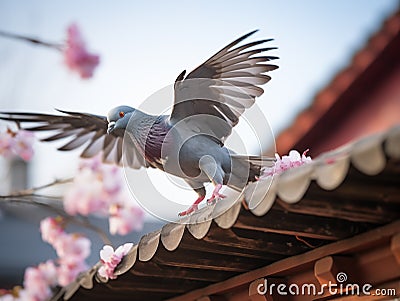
[(111, 126)]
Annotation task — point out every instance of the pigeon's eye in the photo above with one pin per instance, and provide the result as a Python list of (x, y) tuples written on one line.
[(121, 114)]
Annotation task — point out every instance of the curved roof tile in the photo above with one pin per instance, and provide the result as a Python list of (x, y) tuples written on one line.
[(369, 156)]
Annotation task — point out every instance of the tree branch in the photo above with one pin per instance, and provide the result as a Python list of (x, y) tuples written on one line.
[(85, 223), (30, 199), (30, 40), (31, 191)]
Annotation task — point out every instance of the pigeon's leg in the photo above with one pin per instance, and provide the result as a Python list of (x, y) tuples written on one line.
[(201, 191), (216, 194), (216, 175)]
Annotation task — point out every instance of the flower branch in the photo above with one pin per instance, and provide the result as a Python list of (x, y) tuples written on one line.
[(76, 56), (31, 191), (30, 40), (76, 220)]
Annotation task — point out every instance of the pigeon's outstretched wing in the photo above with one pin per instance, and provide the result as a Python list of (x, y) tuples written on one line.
[(222, 88), (81, 129)]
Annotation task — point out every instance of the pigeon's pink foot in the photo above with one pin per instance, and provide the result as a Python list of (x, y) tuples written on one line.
[(216, 194), (192, 208)]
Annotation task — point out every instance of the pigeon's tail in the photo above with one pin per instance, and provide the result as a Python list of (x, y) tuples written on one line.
[(247, 169)]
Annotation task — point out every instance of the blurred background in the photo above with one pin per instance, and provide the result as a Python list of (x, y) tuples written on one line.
[(142, 48)]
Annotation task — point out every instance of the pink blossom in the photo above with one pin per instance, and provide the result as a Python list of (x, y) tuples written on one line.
[(7, 297), (39, 280), (95, 188), (36, 285), (22, 145), (111, 259), (6, 141), (72, 247), (16, 144), (98, 189), (72, 250), (51, 229), (294, 159), (23, 295), (67, 271), (49, 273), (95, 163), (112, 179), (76, 56), (125, 218), (87, 195)]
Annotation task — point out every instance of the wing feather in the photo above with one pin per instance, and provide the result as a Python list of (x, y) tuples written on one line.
[(60, 135), (81, 129), (224, 86), (76, 142), (94, 147)]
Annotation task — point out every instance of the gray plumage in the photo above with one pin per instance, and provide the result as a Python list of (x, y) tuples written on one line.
[(190, 142)]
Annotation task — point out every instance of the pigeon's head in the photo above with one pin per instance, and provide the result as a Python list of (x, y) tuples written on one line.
[(118, 118)]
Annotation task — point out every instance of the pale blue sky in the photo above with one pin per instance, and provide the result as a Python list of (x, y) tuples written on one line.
[(144, 46)]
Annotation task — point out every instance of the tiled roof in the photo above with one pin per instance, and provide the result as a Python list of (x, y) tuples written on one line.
[(340, 194)]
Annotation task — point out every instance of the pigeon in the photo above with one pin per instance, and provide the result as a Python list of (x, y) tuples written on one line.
[(188, 143)]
